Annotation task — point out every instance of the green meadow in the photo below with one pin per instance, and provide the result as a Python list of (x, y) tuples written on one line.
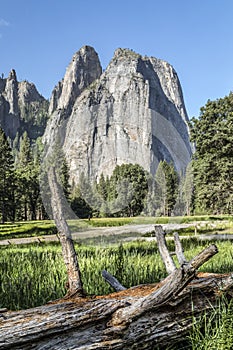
[(33, 274)]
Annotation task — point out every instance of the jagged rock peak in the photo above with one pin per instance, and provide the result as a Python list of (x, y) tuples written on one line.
[(27, 92), (20, 106), (154, 70), (83, 69), (121, 52), (12, 75), (11, 92), (133, 112)]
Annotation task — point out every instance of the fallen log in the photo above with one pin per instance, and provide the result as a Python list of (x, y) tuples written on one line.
[(142, 317)]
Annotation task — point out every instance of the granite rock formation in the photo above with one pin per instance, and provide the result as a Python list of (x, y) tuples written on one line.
[(21, 107), (133, 112)]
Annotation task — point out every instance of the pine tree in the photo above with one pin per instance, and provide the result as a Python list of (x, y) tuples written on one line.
[(78, 204), (65, 177), (188, 189), (102, 187), (167, 185), (161, 193), (27, 171), (6, 180), (212, 134), (128, 189)]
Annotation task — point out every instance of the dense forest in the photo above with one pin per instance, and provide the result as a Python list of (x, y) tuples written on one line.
[(212, 134), (205, 187)]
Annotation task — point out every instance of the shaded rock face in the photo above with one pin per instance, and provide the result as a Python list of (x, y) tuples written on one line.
[(19, 104), (131, 113), (9, 110)]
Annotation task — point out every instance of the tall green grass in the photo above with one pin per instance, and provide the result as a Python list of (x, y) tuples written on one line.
[(27, 229), (102, 222), (214, 331), (34, 274)]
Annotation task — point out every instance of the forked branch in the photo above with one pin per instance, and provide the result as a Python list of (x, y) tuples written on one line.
[(142, 317), (163, 249), (168, 289)]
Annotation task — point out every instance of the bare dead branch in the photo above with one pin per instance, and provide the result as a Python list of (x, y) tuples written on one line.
[(86, 323), (68, 250), (170, 287), (179, 249), (112, 281), (163, 250)]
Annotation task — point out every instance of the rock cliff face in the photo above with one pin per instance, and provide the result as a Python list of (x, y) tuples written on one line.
[(21, 107), (81, 72), (133, 112)]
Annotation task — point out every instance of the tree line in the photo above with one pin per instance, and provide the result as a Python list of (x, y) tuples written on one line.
[(206, 186), (20, 171), (131, 191)]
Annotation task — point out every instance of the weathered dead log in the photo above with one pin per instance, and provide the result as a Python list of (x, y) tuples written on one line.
[(75, 285), (137, 318), (87, 323)]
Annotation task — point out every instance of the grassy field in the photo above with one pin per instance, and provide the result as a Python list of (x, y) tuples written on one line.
[(33, 274), (210, 224), (27, 229)]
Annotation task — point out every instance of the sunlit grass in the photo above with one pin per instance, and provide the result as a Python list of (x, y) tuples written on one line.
[(33, 274), (214, 224), (27, 229), (214, 330)]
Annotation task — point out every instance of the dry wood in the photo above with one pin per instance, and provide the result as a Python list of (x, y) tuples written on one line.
[(137, 318), (87, 324), (163, 250), (69, 255), (179, 249), (170, 287), (112, 281)]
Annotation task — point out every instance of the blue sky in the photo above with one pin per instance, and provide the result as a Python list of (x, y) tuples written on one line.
[(39, 38)]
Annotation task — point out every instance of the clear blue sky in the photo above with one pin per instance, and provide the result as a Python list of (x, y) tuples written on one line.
[(39, 38)]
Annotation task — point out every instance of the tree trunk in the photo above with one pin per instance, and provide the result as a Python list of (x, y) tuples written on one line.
[(75, 285), (142, 317)]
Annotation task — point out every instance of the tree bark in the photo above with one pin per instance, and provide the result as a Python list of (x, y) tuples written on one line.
[(112, 281), (179, 249), (142, 317), (69, 255), (163, 250), (92, 323)]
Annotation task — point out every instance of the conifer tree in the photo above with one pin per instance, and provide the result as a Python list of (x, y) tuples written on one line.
[(212, 134), (128, 189), (6, 180), (167, 186), (28, 180), (188, 189)]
